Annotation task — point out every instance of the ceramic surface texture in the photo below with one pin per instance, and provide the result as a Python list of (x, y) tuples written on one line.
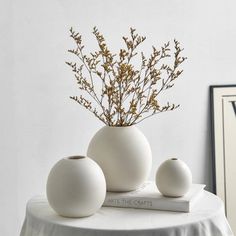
[(173, 178), (76, 187), (124, 155)]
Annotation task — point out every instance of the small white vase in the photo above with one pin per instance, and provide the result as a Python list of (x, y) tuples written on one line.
[(76, 187), (124, 155), (173, 178)]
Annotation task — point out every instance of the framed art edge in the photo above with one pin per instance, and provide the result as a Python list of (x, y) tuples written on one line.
[(212, 137), (212, 117)]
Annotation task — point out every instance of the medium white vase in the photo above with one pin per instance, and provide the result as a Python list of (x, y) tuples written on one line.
[(76, 187), (173, 178), (124, 155)]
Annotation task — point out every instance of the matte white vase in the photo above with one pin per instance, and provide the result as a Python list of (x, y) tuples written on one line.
[(173, 178), (124, 155), (76, 187)]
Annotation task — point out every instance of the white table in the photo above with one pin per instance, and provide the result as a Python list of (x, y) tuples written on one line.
[(206, 219)]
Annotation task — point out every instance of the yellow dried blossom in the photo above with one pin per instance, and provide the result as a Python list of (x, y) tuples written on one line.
[(126, 94)]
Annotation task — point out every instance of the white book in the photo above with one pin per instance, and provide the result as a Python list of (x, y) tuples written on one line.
[(148, 197)]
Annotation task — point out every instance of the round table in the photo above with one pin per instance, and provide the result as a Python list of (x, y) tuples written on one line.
[(206, 219)]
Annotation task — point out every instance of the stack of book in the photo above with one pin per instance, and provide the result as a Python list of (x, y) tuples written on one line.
[(148, 197)]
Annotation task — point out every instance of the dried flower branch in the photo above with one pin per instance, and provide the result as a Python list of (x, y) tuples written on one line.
[(127, 95)]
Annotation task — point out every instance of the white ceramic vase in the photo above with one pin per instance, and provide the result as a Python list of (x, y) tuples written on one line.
[(173, 178), (124, 155), (76, 187)]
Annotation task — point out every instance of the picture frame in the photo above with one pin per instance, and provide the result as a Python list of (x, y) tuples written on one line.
[(223, 120)]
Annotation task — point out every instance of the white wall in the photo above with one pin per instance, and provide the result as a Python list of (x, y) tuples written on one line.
[(39, 124)]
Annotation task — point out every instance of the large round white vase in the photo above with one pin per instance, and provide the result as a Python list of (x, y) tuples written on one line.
[(76, 187), (124, 155)]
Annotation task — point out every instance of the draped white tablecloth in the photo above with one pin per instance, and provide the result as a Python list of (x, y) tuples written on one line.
[(206, 219)]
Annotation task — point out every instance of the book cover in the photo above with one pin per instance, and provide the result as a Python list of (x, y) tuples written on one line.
[(148, 197)]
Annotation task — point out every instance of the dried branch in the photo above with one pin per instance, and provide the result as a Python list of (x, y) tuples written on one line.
[(127, 95)]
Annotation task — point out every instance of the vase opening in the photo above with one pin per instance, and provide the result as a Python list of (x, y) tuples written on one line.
[(174, 159), (122, 126), (76, 157)]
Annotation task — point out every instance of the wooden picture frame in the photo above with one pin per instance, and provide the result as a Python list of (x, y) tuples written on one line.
[(223, 118)]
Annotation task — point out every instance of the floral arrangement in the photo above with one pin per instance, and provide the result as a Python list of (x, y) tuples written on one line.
[(114, 88)]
